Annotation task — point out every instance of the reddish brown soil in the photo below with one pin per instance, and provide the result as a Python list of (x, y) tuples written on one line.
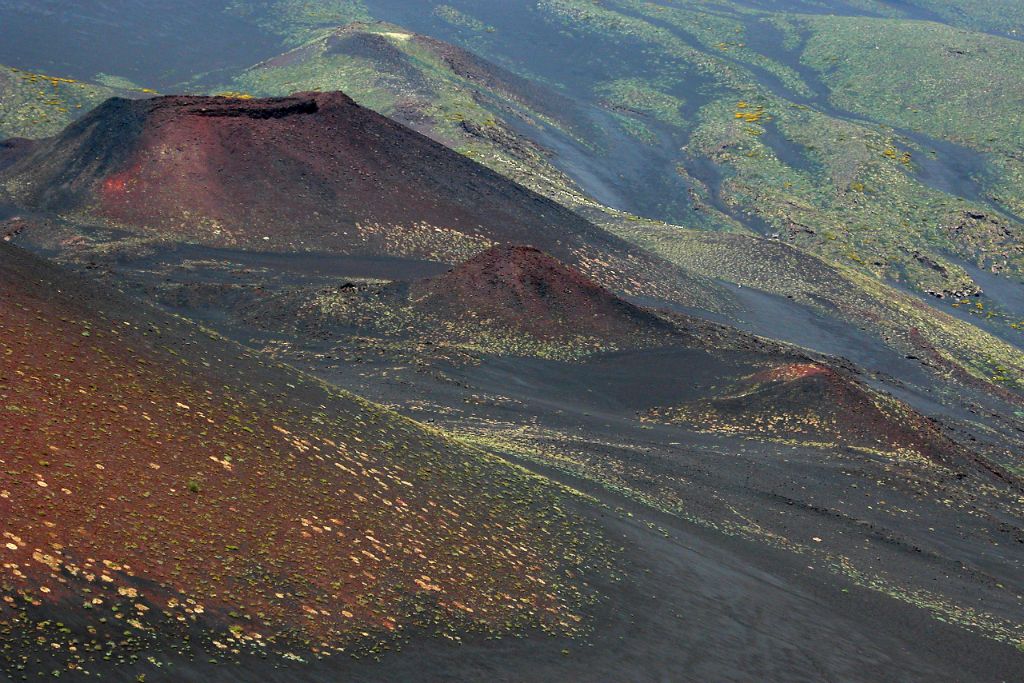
[(522, 289), (159, 475), (813, 402)]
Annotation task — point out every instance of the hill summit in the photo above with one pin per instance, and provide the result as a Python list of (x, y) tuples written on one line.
[(522, 288)]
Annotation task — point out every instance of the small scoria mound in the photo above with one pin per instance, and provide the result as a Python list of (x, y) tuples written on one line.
[(506, 301), (524, 290), (811, 402), (310, 172), (163, 492)]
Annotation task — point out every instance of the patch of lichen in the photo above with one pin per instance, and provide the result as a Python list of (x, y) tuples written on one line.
[(635, 95), (949, 83), (298, 20)]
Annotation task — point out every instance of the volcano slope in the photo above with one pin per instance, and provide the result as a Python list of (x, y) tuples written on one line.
[(710, 141), (707, 425), (165, 494), (40, 105), (177, 508), (314, 172), (141, 250)]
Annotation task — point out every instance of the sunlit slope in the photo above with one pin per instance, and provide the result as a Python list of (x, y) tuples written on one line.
[(35, 105), (719, 117), (953, 84), (156, 481)]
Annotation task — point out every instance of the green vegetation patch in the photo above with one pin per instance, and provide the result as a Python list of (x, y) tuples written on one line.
[(958, 85), (34, 105), (297, 20), (460, 19), (638, 96)]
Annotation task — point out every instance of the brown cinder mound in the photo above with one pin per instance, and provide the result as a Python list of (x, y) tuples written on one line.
[(810, 401), (521, 288), (309, 172)]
